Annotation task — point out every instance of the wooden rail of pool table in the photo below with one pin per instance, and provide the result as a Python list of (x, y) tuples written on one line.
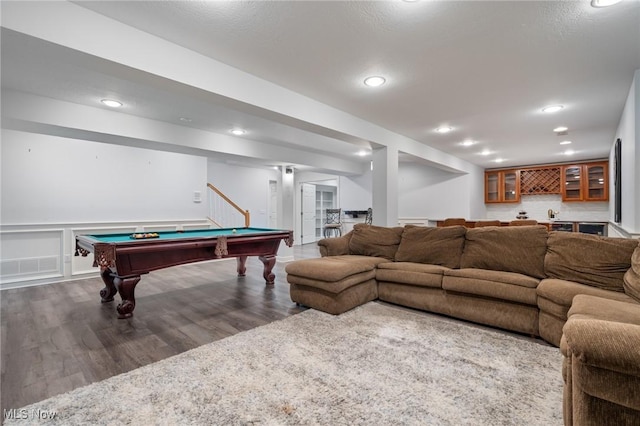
[(245, 213)]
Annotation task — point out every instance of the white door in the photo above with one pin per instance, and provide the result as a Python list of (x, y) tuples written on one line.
[(308, 213), (273, 204)]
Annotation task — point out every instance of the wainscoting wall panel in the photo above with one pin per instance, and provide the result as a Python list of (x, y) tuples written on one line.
[(31, 254), (34, 254)]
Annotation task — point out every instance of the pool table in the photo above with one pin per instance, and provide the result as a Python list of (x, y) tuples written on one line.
[(123, 258)]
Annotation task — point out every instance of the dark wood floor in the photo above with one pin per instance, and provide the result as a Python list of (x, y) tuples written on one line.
[(58, 337)]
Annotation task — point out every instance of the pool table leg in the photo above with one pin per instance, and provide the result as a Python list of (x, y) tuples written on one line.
[(242, 269), (126, 287), (269, 261), (109, 290)]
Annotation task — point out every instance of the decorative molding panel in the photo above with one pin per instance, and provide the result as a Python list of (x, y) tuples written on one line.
[(31, 255)]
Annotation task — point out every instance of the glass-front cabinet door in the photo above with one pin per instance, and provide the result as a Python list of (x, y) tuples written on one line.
[(596, 175), (585, 182), (491, 185), (502, 186), (510, 188), (572, 183)]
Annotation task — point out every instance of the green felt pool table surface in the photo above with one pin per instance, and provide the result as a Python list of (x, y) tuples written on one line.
[(174, 235)]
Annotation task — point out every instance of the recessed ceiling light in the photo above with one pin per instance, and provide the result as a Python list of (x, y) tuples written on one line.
[(604, 3), (185, 119), (444, 129), (560, 129), (111, 103), (569, 152), (362, 153), (552, 108), (485, 152), (238, 132), (499, 160), (565, 142), (374, 81), (468, 142)]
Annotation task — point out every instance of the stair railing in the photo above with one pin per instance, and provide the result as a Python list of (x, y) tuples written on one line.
[(227, 213)]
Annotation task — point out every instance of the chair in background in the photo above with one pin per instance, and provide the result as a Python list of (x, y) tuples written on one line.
[(523, 222), (481, 223), (368, 219), (333, 223), (452, 221)]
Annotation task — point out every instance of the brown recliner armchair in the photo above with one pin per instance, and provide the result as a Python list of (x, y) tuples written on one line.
[(601, 370)]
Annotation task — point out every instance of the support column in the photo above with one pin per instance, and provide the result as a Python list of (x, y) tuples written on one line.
[(385, 186), (288, 211)]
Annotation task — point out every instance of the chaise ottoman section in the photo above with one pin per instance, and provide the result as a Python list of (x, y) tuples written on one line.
[(333, 284)]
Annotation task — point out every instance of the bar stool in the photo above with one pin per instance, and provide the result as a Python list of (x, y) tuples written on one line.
[(481, 223), (369, 217), (333, 223), (452, 221)]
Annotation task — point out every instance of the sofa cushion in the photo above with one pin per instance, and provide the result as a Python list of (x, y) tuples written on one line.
[(519, 249), (332, 287), (631, 281), (511, 278), (332, 268), (417, 274), (589, 259), (494, 284), (562, 292), (436, 246), (370, 240), (593, 307), (423, 268)]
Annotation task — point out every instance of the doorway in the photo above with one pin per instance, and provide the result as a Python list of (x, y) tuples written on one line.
[(316, 198), (308, 213), (273, 204)]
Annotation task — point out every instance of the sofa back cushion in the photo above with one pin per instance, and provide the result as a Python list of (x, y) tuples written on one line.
[(631, 282), (519, 249), (435, 246), (370, 240), (589, 259)]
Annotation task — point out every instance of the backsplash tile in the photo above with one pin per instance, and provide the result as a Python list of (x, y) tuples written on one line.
[(537, 206)]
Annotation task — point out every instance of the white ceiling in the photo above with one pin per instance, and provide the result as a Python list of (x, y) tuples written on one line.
[(484, 68)]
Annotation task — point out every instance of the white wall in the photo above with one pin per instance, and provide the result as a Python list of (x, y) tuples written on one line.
[(54, 188), (629, 132), (429, 192), (355, 192), (248, 187), (423, 192), (48, 179)]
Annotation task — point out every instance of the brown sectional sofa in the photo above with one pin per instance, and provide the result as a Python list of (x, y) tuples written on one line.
[(576, 291)]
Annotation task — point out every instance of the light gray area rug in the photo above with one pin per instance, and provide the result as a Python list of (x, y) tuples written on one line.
[(375, 365)]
